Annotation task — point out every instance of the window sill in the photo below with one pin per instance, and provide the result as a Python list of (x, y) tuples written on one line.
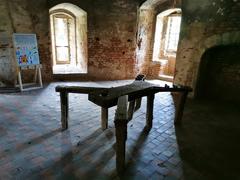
[(166, 78), (170, 55), (68, 69), (160, 61)]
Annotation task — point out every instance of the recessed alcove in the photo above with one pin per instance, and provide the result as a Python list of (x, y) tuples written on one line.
[(219, 73)]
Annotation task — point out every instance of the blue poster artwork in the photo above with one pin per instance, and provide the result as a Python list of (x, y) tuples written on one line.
[(26, 49)]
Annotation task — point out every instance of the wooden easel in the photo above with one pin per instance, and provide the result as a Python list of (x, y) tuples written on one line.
[(37, 79), (27, 57)]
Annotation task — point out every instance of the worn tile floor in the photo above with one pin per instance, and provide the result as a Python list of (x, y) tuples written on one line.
[(32, 145)]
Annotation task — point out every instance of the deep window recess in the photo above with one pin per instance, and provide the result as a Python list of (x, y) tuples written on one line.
[(166, 38), (68, 39)]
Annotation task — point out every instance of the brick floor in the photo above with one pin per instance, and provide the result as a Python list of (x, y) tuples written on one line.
[(32, 145)]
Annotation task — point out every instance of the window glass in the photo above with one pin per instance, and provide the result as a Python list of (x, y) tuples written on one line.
[(61, 29), (173, 30), (62, 53)]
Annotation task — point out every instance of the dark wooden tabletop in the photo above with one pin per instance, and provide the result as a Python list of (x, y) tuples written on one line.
[(108, 97)]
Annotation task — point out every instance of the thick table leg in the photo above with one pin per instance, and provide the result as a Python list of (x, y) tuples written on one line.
[(130, 110), (64, 109), (121, 136), (104, 118), (121, 121), (180, 107), (149, 114)]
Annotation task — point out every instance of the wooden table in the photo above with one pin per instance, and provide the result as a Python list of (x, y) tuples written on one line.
[(121, 95), (108, 97)]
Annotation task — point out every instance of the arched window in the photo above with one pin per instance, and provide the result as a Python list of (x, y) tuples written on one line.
[(69, 39), (166, 34)]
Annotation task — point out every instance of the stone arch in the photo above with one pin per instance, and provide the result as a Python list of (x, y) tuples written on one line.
[(227, 38)]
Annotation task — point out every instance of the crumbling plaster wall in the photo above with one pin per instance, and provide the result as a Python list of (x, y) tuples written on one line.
[(24, 16), (6, 59), (145, 37), (205, 24), (113, 40)]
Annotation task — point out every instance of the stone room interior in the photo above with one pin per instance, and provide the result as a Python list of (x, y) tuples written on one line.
[(120, 89)]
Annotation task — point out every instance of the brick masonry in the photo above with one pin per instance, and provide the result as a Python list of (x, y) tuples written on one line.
[(111, 34), (120, 36)]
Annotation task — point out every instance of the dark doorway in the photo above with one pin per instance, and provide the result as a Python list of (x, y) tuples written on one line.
[(219, 74)]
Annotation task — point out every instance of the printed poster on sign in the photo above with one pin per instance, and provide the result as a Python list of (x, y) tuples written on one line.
[(26, 49)]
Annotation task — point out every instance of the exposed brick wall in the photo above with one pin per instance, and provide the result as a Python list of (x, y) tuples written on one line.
[(111, 39), (112, 27), (111, 35), (146, 31)]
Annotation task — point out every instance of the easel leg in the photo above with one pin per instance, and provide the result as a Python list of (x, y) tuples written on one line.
[(20, 81), (104, 118), (149, 114), (35, 75), (40, 76), (64, 109)]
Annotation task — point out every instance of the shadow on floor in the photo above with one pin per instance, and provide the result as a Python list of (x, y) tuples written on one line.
[(209, 140), (134, 155), (31, 142), (91, 156), (85, 160)]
